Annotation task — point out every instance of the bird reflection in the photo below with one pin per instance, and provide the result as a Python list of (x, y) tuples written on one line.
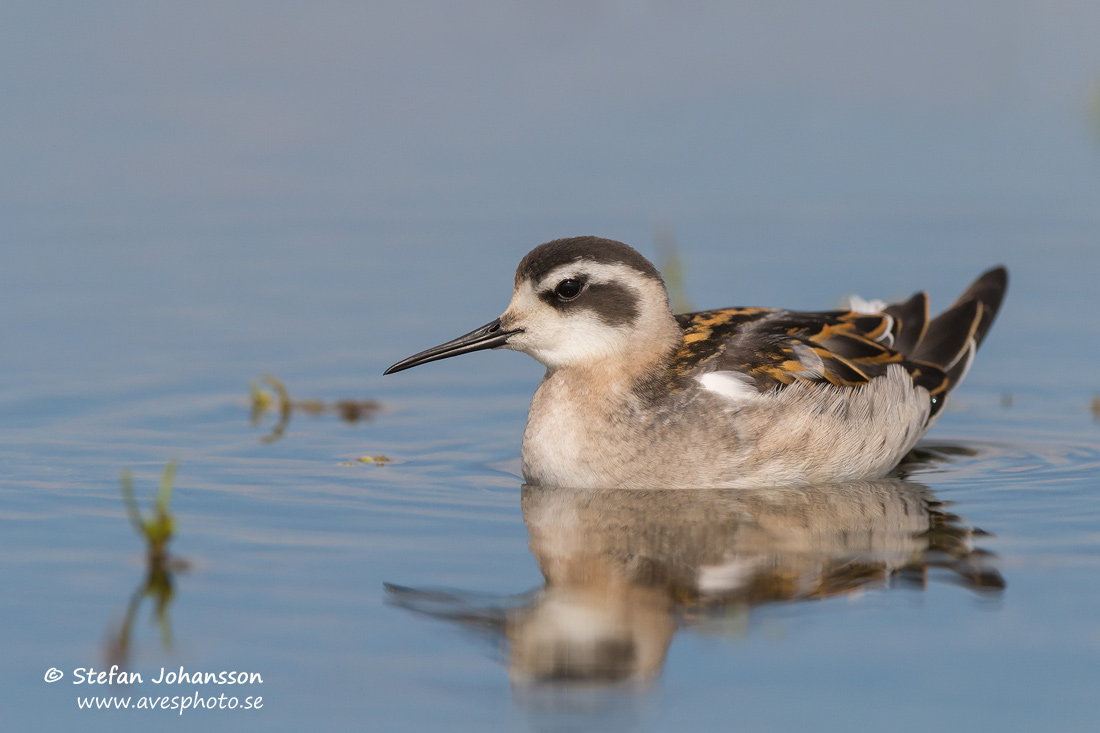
[(624, 569)]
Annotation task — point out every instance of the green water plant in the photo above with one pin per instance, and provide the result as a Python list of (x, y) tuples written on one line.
[(159, 528), (159, 585), (263, 401), (372, 460)]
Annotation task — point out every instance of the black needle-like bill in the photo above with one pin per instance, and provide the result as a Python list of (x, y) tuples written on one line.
[(490, 336)]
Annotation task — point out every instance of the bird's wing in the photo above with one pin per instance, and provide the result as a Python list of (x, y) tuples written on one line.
[(771, 349), (775, 348)]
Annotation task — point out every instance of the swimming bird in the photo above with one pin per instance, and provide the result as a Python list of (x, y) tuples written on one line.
[(636, 397)]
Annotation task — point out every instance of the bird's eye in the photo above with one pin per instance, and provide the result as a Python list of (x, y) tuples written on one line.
[(568, 289)]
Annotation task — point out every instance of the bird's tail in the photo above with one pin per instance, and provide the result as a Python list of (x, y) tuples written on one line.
[(951, 339)]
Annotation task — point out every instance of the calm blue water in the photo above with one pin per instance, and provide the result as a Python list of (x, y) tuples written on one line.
[(193, 197)]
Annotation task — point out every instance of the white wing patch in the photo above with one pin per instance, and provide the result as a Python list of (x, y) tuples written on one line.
[(732, 576), (734, 386), (874, 308), (866, 307)]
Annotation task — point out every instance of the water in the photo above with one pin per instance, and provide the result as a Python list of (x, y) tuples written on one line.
[(196, 197)]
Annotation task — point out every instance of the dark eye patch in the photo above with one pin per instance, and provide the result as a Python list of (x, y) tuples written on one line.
[(614, 304)]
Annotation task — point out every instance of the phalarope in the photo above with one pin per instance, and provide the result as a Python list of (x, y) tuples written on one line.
[(624, 570), (635, 397)]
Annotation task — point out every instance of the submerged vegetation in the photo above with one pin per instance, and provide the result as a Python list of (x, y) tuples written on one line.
[(263, 402), (158, 529), (157, 584), (373, 460)]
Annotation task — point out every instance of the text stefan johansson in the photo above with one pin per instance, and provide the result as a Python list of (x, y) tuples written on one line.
[(115, 676)]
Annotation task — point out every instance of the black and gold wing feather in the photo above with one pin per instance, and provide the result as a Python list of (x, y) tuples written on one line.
[(777, 348)]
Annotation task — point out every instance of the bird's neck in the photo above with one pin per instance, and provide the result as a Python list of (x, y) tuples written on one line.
[(601, 403), (619, 376)]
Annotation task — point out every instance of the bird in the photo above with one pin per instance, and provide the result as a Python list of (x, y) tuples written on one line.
[(636, 397)]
